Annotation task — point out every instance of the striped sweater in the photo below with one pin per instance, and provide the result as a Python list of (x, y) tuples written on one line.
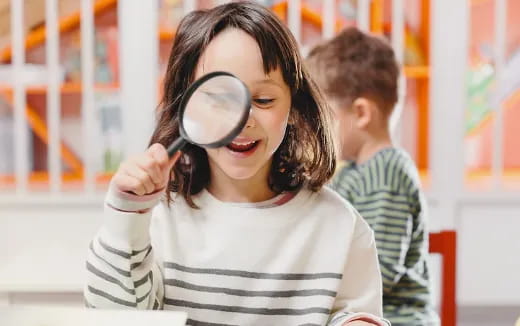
[(308, 261), (386, 192)]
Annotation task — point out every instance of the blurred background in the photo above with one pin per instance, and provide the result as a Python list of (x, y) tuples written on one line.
[(80, 79)]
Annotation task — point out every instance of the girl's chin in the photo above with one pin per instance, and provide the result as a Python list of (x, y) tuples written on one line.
[(240, 173), (240, 168), (243, 170)]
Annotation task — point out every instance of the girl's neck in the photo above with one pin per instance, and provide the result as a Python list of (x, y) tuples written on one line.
[(251, 190)]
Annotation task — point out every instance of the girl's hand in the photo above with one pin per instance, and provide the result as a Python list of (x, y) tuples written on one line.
[(146, 173)]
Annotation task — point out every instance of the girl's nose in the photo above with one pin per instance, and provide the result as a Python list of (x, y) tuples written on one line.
[(251, 122)]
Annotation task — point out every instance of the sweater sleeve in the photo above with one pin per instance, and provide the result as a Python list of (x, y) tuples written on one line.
[(121, 270), (360, 294)]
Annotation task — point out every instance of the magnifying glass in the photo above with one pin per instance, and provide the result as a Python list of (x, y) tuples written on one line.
[(213, 111)]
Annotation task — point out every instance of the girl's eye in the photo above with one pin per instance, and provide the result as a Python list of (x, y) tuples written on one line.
[(264, 101)]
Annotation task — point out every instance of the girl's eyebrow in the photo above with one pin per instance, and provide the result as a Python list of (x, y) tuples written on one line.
[(268, 81)]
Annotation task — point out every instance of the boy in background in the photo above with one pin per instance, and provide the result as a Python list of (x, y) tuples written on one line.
[(358, 74)]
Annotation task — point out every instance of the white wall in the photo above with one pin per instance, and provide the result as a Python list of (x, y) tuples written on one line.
[(489, 254), (46, 244), (488, 259)]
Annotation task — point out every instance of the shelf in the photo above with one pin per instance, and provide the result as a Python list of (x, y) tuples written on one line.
[(486, 173), (414, 72), (483, 180), (480, 179), (67, 88), (42, 178), (71, 22), (417, 72), (479, 2), (39, 182)]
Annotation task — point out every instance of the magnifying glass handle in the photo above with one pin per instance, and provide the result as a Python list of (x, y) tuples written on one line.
[(176, 146)]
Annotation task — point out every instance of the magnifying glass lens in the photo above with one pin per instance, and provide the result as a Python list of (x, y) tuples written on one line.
[(215, 109)]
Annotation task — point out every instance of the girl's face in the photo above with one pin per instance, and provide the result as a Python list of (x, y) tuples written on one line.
[(250, 154)]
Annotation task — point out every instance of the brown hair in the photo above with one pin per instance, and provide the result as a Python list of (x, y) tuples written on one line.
[(306, 155), (354, 64)]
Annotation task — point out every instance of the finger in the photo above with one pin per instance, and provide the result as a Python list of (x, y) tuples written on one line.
[(128, 183), (140, 174), (150, 166), (159, 153)]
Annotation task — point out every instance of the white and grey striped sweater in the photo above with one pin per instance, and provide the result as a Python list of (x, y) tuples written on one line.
[(309, 261)]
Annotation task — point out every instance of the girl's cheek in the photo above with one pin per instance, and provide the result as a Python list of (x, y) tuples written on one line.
[(278, 126), (280, 118)]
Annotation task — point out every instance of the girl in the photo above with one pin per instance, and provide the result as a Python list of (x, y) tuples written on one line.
[(245, 235)]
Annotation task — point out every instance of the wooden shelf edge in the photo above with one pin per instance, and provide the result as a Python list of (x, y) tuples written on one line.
[(417, 72), (66, 88), (43, 178)]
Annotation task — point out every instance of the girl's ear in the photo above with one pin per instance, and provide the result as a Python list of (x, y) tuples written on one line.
[(363, 112)]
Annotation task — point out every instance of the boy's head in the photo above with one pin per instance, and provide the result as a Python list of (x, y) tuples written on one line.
[(359, 75)]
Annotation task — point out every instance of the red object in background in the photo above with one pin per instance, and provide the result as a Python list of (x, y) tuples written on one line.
[(445, 244)]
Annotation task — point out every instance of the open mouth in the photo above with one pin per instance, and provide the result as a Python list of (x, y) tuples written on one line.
[(242, 147)]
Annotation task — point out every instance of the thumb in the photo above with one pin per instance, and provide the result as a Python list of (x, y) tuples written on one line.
[(159, 153)]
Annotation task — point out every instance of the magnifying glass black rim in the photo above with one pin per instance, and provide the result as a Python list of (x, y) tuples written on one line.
[(234, 132)]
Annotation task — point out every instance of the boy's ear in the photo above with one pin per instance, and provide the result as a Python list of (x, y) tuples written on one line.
[(363, 111)]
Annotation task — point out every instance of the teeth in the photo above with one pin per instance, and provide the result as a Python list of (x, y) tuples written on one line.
[(243, 144)]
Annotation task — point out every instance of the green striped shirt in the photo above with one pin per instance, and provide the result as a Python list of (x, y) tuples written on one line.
[(386, 192)]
